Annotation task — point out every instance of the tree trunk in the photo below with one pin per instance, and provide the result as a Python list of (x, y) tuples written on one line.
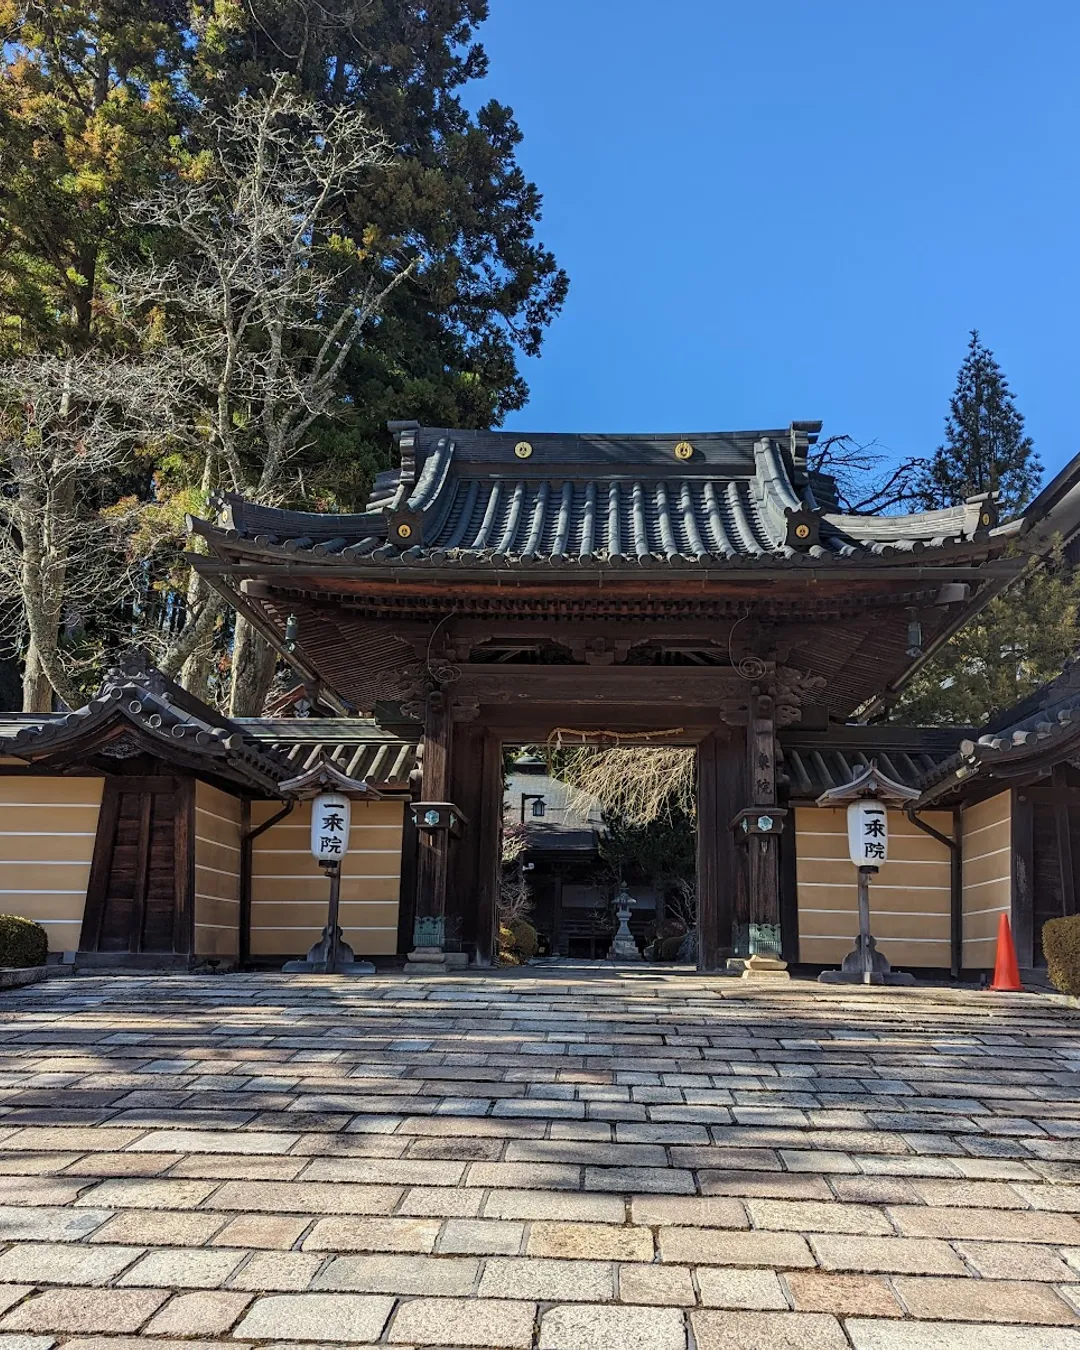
[(253, 671), (37, 692)]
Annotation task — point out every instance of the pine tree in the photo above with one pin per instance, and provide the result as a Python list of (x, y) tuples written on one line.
[(985, 447)]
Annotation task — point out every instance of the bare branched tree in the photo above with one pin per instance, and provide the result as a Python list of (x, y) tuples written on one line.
[(65, 425), (266, 297), (867, 482), (642, 784)]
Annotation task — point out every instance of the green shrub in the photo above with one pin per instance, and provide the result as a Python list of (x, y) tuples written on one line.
[(525, 938), (1061, 943), (22, 942)]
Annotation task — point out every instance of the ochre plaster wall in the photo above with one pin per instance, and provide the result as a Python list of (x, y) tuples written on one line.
[(47, 831), (987, 890), (909, 897), (217, 872), (289, 889)]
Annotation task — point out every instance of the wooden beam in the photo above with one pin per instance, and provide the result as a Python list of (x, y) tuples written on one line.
[(490, 849), (720, 793), (1022, 918), (433, 846)]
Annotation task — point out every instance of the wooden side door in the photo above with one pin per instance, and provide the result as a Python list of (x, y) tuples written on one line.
[(139, 898)]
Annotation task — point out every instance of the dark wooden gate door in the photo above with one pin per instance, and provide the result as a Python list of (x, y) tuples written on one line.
[(138, 899), (1056, 856)]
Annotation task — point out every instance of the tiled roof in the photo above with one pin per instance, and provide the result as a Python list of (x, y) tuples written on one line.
[(136, 699), (505, 499), (1040, 731), (359, 746), (813, 762)]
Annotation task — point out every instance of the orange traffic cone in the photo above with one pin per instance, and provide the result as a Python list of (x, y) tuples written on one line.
[(1006, 970)]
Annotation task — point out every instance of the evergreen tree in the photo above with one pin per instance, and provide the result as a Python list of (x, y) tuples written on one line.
[(1025, 635), (985, 447), (1023, 638)]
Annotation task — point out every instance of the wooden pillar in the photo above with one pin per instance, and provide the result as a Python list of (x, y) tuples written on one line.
[(720, 794), (407, 885), (489, 852), (764, 860), (429, 929)]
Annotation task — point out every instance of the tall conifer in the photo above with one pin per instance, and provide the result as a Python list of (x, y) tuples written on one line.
[(985, 449)]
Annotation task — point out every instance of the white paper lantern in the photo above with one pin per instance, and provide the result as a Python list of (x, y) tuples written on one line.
[(868, 833), (330, 827)]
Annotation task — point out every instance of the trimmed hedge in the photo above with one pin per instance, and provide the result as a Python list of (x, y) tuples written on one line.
[(23, 942), (1061, 943)]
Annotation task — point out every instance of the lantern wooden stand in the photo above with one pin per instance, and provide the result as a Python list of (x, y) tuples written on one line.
[(331, 793), (867, 798)]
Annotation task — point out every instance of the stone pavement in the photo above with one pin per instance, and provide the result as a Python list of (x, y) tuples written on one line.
[(553, 1161)]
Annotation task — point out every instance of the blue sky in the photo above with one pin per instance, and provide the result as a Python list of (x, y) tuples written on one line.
[(798, 208)]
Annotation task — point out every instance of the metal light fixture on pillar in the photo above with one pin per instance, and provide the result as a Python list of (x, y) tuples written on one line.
[(867, 798), (331, 794)]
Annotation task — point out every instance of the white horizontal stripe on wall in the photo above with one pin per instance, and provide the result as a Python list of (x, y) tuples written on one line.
[(41, 890), (884, 914), (217, 843), (221, 871), (846, 937), (908, 862), (53, 806), (68, 834), (993, 909), (307, 927), (991, 881), (293, 876), (875, 888)]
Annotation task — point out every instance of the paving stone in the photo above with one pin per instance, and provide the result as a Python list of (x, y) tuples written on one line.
[(359, 1318), (1015, 1261), (767, 1331), (538, 1205), (969, 1194), (481, 1237), (661, 1180), (48, 1225), (111, 1310), (694, 1210), (276, 1231), (497, 1323), (37, 1190), (664, 1285), (398, 1274), (215, 1141), (233, 1167), (600, 1328), (990, 1300), (874, 1190), (442, 1202), (373, 1235), (300, 1197), (710, 1246), (525, 1176), (806, 1216), (183, 1268), (16, 1342), (12, 1294), (988, 1224), (160, 1228), (123, 1164), (603, 1242), (547, 1280), (276, 1271), (768, 1185), (842, 1295), (394, 1171), (64, 1263), (208, 1313), (909, 1256), (756, 1289), (138, 1193), (881, 1335)]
